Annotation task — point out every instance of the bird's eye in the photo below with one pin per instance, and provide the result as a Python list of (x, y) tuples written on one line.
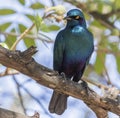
[(77, 17)]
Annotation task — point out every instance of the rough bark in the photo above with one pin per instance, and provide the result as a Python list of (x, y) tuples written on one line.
[(23, 62), (10, 114)]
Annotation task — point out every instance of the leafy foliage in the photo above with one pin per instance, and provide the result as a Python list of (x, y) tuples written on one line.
[(22, 2), (99, 64), (104, 13), (118, 62), (6, 11), (4, 26), (37, 5), (29, 42), (39, 22)]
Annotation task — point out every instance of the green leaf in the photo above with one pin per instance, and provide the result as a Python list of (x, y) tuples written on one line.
[(100, 7), (40, 25), (115, 32), (103, 42), (49, 28), (37, 5), (29, 42), (53, 27), (22, 2), (38, 21), (22, 28), (3, 27), (99, 64), (3, 44), (114, 47), (117, 4), (97, 24), (10, 40), (44, 28), (118, 62), (6, 11), (31, 17)]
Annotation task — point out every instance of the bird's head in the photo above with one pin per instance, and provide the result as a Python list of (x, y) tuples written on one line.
[(75, 17)]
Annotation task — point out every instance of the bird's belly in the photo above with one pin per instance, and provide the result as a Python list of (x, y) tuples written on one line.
[(72, 65)]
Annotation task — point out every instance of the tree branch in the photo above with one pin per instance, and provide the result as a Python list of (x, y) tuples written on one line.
[(113, 12), (23, 62), (10, 114)]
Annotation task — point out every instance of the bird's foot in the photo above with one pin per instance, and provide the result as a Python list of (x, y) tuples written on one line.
[(36, 115), (85, 85), (63, 75)]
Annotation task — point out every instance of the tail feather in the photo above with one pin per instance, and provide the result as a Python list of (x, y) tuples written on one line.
[(58, 103)]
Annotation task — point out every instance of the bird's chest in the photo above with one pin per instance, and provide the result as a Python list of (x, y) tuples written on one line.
[(76, 51), (77, 47)]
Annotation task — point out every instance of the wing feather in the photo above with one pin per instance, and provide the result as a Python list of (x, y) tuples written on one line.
[(59, 47)]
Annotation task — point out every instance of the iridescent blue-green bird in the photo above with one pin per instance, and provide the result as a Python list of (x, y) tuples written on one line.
[(72, 50)]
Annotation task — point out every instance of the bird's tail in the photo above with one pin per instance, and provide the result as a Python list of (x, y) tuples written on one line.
[(58, 103)]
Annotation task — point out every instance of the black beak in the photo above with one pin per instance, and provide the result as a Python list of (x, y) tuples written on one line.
[(67, 18)]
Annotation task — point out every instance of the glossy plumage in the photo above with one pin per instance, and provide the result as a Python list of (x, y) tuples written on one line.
[(72, 50)]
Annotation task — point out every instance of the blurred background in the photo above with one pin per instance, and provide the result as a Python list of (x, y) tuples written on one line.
[(22, 94)]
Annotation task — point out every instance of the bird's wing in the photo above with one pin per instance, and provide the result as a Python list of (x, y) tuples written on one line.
[(58, 52), (92, 48)]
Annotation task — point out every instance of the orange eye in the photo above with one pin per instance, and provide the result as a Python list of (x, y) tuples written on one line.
[(77, 17)]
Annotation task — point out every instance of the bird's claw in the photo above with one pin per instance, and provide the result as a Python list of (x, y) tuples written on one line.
[(36, 115), (85, 85), (63, 75)]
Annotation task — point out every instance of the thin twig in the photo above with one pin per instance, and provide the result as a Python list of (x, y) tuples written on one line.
[(113, 12), (45, 39), (6, 73), (53, 3), (105, 50), (21, 36), (108, 77), (33, 97), (19, 94), (95, 83)]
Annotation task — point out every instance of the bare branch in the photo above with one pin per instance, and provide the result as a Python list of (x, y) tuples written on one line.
[(23, 62), (10, 114), (19, 94), (113, 12), (100, 113)]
